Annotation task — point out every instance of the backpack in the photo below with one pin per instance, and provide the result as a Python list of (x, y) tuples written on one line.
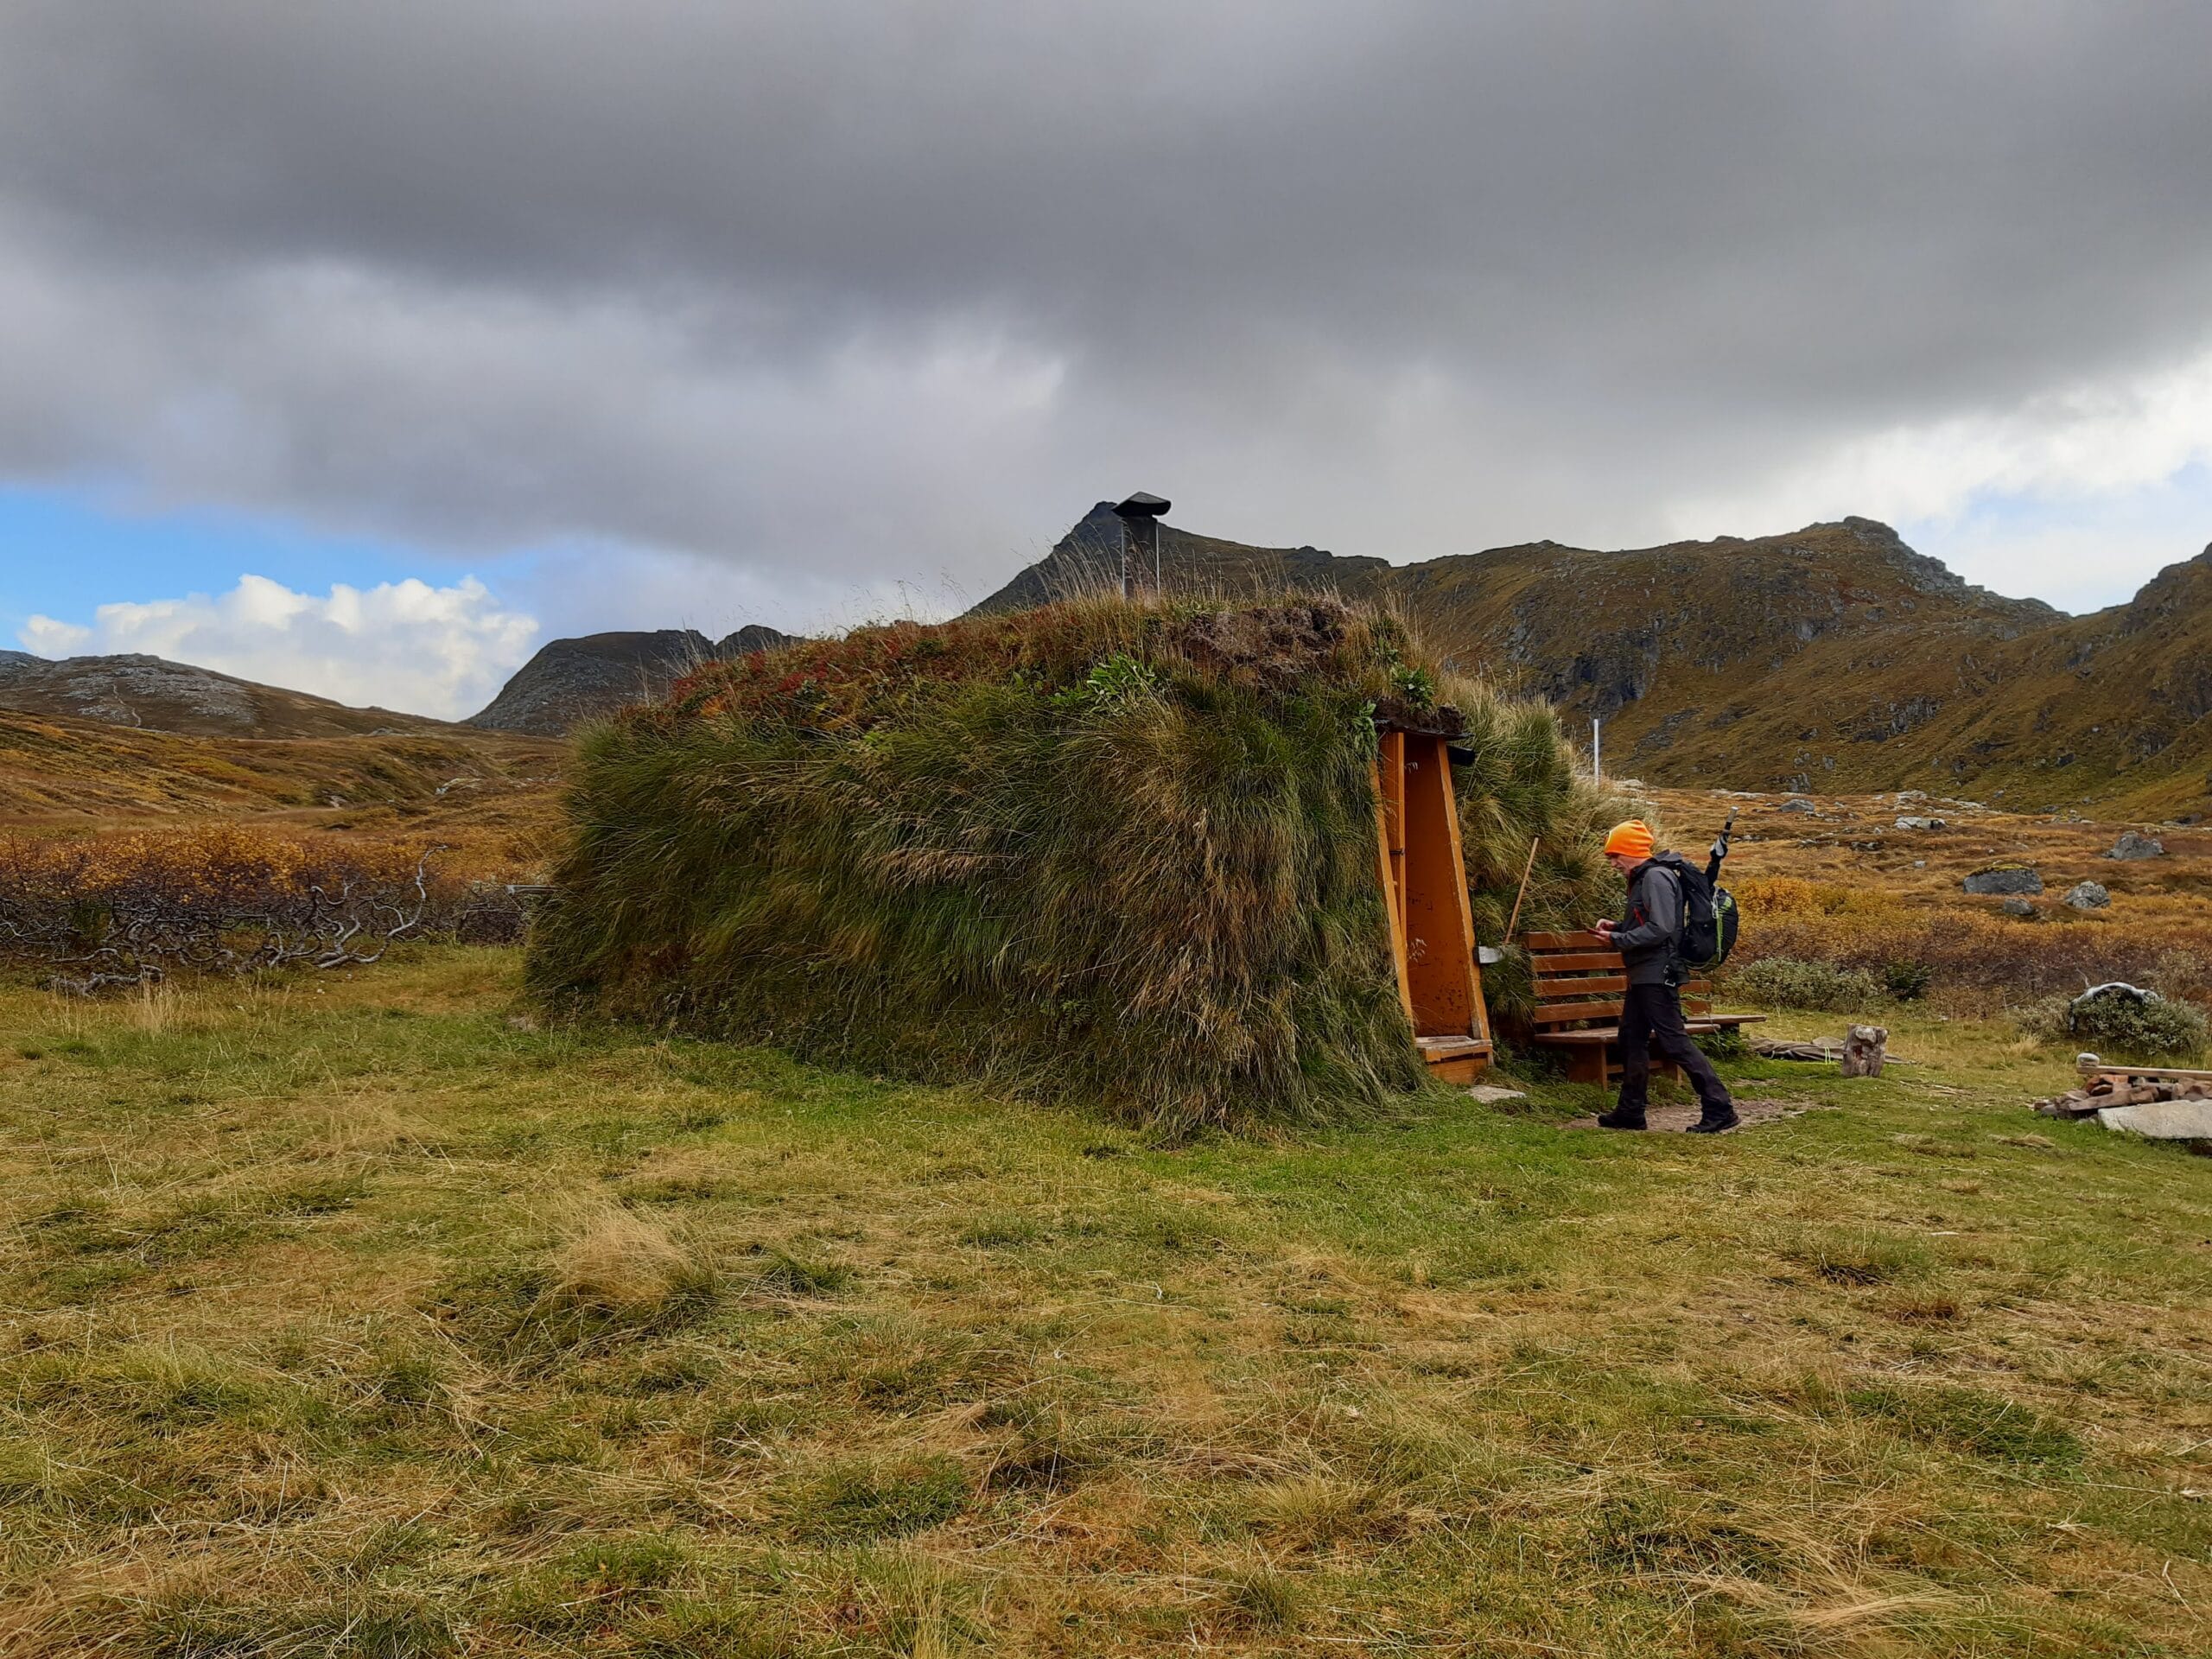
[(1708, 917)]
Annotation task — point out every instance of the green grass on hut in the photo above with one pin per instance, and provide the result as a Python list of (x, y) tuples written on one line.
[(1118, 853)]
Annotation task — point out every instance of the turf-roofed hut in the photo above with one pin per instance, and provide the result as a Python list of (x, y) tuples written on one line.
[(1194, 863)]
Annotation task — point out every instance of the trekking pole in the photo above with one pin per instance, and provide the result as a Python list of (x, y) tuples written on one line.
[(1721, 848), (1526, 870)]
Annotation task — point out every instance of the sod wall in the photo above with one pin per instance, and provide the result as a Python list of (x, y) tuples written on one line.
[(1116, 853)]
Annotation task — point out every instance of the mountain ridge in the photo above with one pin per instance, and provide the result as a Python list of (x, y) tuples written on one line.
[(1835, 656), (585, 676), (133, 689)]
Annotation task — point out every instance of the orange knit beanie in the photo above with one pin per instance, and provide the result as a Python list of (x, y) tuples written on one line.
[(1632, 837)]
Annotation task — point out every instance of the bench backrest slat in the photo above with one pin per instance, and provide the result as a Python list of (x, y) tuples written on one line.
[(1578, 978), (1607, 1009), (1554, 963), (1564, 987)]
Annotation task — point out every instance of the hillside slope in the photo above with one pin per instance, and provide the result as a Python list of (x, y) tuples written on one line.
[(570, 680), (152, 692), (1834, 656), (67, 776)]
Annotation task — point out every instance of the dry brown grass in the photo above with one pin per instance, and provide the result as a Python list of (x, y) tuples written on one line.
[(1847, 886), (617, 1260)]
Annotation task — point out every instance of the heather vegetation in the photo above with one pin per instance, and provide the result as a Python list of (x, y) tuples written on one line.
[(1843, 911), (90, 913)]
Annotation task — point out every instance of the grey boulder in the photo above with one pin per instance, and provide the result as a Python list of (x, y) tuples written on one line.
[(2131, 845), (2022, 907), (2088, 895), (2163, 1120), (2012, 881)]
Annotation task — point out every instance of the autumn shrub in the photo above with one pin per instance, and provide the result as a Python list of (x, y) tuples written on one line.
[(1789, 898), (1907, 980), (1965, 953), (2120, 1026), (135, 908), (1790, 983)]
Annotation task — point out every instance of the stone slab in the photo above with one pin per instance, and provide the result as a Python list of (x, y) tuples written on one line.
[(2164, 1120)]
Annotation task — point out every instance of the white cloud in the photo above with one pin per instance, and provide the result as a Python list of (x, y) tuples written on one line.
[(48, 638), (2085, 441), (2075, 494), (405, 645)]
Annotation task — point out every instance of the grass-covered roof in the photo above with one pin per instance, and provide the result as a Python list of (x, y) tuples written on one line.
[(1117, 852)]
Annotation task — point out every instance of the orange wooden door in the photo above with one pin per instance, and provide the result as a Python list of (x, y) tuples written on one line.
[(1424, 877)]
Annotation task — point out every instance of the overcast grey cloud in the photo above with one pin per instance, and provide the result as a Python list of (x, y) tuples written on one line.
[(824, 296)]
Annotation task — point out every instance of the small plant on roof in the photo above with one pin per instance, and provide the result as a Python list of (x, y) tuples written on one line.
[(1415, 685), (1115, 682)]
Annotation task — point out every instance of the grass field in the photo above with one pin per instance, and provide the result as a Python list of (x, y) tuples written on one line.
[(362, 1317)]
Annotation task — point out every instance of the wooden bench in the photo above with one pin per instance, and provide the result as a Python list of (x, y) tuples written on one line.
[(1579, 981)]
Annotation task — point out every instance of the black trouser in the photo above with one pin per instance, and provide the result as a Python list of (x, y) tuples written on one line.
[(1653, 1015)]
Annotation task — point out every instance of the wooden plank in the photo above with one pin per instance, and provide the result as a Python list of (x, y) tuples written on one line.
[(1439, 934), (1608, 1033), (1393, 748), (1459, 888), (1577, 941), (1387, 873), (1590, 1056), (1455, 1059), (2115, 1068), (1577, 985), (1557, 1014), (1561, 961)]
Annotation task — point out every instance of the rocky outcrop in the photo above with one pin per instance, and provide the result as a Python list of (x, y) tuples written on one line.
[(2013, 879), (2133, 846), (1087, 559), (570, 680), (157, 695)]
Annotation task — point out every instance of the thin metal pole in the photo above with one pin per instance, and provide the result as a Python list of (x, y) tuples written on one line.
[(1158, 587), (1597, 764), (1125, 560)]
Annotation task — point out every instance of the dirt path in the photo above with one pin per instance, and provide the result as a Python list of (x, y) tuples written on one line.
[(1673, 1120)]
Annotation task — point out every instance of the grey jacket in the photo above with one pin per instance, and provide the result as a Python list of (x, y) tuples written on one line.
[(1646, 936)]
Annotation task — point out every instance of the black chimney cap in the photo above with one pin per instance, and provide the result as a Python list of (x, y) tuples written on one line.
[(1142, 505)]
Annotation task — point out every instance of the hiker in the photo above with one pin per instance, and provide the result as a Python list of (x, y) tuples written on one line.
[(1650, 940)]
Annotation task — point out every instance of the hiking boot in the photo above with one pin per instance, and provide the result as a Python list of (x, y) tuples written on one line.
[(1715, 1120), (1622, 1117)]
